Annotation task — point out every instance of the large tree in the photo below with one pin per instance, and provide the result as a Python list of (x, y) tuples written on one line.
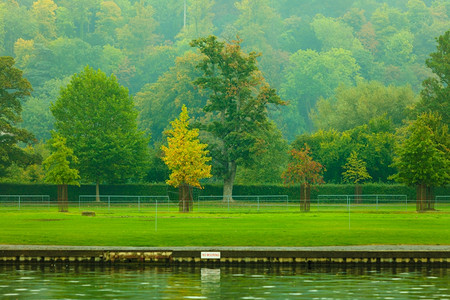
[(97, 117), (423, 157), (237, 105), (13, 88)]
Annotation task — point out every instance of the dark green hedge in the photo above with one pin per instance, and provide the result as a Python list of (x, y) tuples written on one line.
[(212, 190)]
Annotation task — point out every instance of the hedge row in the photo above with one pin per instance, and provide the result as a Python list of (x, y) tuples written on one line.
[(212, 190)]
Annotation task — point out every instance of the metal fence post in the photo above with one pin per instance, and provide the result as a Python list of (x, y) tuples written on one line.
[(109, 202), (19, 202), (258, 201), (139, 203), (377, 202)]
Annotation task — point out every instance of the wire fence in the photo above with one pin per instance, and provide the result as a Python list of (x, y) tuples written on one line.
[(109, 202), (236, 203), (24, 201), (376, 201), (243, 203)]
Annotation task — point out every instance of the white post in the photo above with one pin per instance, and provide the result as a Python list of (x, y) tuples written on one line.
[(19, 202), (156, 214), (258, 202), (377, 202)]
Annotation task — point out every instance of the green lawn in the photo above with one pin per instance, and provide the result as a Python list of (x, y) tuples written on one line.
[(121, 227)]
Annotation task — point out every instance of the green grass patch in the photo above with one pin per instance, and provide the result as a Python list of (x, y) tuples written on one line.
[(122, 227)]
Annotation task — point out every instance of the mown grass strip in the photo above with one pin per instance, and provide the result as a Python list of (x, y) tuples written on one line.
[(127, 228)]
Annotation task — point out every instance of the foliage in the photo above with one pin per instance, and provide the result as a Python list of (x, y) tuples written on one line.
[(57, 165), (303, 169), (237, 105), (312, 75), (435, 95), (13, 88), (423, 154), (309, 48), (355, 170), (353, 106), (36, 110), (374, 143), (269, 161), (159, 102), (96, 116), (185, 156)]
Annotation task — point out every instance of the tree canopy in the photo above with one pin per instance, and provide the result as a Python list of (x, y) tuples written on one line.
[(13, 89), (97, 117)]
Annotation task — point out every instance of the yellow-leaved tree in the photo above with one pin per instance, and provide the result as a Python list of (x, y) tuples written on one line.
[(186, 158)]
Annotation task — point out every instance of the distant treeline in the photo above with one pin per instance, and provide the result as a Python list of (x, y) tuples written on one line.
[(309, 48)]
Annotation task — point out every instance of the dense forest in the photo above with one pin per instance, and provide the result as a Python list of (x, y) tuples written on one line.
[(349, 72)]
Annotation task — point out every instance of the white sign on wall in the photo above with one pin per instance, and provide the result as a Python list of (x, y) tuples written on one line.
[(210, 255)]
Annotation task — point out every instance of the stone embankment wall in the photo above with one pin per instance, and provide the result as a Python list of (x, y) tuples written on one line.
[(375, 255)]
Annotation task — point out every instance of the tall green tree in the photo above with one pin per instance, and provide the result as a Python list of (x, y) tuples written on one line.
[(237, 105), (435, 95), (423, 157), (13, 89), (59, 171), (97, 117)]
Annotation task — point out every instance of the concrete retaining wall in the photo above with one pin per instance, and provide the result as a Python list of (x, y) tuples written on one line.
[(377, 255)]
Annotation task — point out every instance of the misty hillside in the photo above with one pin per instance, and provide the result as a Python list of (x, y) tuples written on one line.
[(309, 49)]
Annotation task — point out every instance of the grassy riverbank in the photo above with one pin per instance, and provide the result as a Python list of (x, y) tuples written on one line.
[(121, 228)]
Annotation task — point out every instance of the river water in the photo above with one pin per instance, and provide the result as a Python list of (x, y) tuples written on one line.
[(95, 282)]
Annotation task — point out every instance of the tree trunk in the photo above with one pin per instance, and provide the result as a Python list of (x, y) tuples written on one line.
[(228, 182), (97, 191), (305, 196), (185, 203), (421, 195), (430, 198), (63, 198)]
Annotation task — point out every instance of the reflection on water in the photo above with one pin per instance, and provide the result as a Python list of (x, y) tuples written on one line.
[(39, 282)]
